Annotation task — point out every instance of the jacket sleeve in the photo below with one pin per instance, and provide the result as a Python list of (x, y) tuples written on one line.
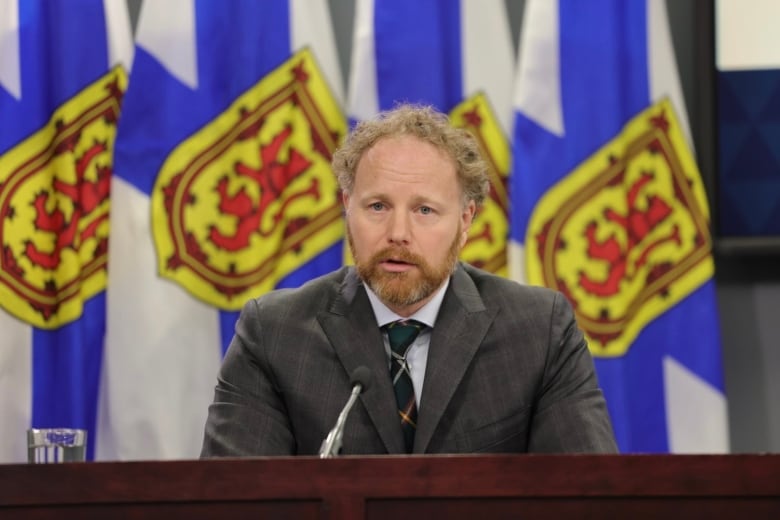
[(570, 413), (248, 416)]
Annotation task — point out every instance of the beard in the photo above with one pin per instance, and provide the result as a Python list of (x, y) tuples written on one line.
[(407, 288)]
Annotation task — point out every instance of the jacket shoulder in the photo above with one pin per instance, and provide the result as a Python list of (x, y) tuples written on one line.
[(310, 294), (491, 286)]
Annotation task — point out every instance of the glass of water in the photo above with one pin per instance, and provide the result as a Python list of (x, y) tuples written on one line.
[(54, 445)]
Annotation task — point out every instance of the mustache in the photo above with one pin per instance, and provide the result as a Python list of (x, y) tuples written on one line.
[(398, 254)]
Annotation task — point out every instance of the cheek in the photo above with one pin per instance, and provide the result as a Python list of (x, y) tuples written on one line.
[(438, 245), (364, 235), (361, 228)]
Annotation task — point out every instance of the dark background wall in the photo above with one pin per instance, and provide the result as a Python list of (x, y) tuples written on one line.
[(748, 281)]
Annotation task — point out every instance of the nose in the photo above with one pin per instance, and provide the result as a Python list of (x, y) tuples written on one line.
[(399, 228)]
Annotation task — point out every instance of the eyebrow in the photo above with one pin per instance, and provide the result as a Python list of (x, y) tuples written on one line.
[(417, 199)]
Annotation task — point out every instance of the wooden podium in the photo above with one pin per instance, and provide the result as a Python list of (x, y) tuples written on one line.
[(384, 487)]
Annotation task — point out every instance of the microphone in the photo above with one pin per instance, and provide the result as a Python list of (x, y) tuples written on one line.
[(360, 379)]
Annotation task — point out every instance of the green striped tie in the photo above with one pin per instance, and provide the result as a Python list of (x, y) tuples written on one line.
[(401, 335)]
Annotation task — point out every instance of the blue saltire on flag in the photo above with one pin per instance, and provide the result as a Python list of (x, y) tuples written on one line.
[(55, 162), (585, 70), (202, 162), (418, 53)]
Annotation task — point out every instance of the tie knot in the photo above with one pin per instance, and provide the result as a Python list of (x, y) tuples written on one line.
[(401, 334)]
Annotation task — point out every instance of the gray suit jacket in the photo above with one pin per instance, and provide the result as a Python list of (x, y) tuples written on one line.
[(508, 371)]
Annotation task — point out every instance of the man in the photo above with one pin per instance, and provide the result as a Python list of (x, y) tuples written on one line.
[(490, 365)]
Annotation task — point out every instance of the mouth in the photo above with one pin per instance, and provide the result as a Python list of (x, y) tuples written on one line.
[(395, 265)]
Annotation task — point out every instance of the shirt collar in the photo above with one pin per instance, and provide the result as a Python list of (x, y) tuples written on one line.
[(426, 314)]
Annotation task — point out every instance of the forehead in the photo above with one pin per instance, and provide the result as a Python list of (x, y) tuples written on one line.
[(405, 157)]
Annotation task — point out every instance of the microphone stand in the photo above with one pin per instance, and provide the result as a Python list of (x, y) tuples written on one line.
[(332, 444)]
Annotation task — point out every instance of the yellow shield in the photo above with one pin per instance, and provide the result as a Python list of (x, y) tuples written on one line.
[(251, 197), (54, 205), (625, 236)]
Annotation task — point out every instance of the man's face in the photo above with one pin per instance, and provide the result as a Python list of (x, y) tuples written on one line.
[(406, 223)]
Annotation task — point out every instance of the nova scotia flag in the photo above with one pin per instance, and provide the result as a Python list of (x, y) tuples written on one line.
[(223, 190), (62, 76), (609, 208)]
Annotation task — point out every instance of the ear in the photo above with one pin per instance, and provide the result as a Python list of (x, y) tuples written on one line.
[(345, 199), (467, 217)]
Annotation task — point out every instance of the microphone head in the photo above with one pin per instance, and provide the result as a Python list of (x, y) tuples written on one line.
[(360, 376)]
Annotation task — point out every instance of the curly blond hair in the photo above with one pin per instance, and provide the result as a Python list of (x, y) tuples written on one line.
[(428, 125)]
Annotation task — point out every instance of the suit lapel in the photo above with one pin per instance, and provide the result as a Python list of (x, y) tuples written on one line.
[(461, 325), (351, 327)]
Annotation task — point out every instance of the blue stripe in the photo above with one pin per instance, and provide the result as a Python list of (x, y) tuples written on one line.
[(154, 120), (238, 42), (604, 80), (62, 48), (66, 372), (418, 52), (633, 386), (330, 259), (689, 334), (227, 327)]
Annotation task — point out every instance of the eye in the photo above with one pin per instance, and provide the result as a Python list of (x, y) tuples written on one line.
[(376, 206), (425, 210)]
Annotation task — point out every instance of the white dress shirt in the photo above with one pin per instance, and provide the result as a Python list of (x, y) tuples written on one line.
[(417, 355)]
